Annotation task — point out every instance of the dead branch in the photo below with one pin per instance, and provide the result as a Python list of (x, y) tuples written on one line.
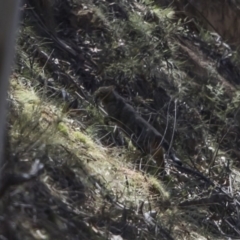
[(213, 199)]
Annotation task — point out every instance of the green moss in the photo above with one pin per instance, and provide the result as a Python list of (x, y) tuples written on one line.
[(80, 137), (27, 97), (62, 128), (156, 186)]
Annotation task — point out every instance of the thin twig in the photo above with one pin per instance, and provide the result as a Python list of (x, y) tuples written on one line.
[(216, 152), (174, 124), (165, 131)]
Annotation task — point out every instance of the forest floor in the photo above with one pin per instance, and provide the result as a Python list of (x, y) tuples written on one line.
[(94, 184)]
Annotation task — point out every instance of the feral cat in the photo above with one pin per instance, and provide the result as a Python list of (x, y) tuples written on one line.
[(143, 135)]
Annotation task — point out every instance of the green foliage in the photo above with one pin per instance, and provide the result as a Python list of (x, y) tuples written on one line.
[(62, 128), (139, 41), (80, 137), (156, 186)]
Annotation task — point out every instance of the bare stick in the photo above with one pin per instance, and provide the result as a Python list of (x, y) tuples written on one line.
[(174, 126)]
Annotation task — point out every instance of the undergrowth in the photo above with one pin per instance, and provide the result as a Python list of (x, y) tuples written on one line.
[(95, 183)]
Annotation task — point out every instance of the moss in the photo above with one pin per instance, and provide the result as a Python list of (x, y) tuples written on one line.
[(27, 97), (62, 128), (156, 186), (80, 137)]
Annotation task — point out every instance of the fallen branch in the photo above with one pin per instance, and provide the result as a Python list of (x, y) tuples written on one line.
[(194, 173), (213, 199)]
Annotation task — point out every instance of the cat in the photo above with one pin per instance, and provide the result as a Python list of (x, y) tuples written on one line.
[(143, 135)]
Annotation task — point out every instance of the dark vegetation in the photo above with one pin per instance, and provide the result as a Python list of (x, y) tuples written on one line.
[(70, 176)]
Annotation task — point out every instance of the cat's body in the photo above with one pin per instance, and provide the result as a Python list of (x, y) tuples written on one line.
[(143, 135)]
